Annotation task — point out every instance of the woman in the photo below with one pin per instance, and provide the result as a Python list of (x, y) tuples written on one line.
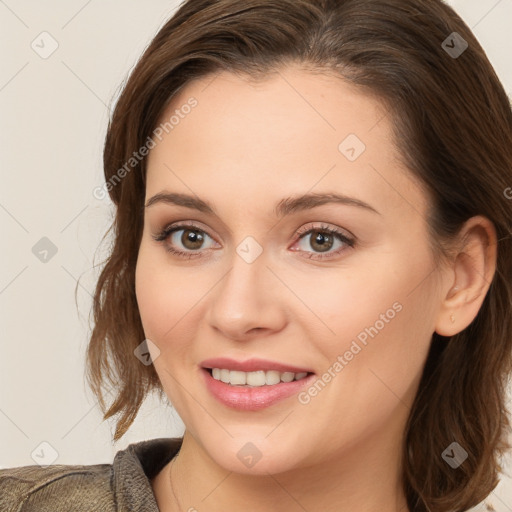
[(311, 262)]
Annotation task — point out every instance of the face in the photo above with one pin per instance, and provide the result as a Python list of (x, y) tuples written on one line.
[(342, 289)]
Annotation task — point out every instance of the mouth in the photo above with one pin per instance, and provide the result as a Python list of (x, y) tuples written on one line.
[(256, 390)]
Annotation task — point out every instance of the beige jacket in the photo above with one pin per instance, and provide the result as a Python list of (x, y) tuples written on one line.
[(123, 486)]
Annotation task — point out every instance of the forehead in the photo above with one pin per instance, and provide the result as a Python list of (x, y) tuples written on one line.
[(293, 132)]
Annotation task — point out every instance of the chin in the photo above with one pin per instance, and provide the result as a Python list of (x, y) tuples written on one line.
[(253, 455)]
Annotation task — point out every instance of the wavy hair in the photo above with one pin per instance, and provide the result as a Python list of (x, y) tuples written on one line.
[(452, 125)]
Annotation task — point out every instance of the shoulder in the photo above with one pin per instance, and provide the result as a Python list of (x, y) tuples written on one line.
[(31, 488), (123, 485)]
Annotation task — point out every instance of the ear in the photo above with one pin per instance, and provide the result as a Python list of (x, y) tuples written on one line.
[(470, 276)]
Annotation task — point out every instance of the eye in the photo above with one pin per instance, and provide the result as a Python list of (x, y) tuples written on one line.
[(191, 238), (324, 239)]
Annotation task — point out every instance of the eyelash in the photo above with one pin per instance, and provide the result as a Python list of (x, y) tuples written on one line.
[(301, 233)]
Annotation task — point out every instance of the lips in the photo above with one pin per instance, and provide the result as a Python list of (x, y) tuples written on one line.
[(248, 398), (251, 365)]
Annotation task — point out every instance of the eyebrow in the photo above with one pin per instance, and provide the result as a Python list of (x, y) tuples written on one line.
[(285, 207)]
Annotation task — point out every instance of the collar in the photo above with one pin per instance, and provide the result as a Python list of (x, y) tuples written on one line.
[(135, 466)]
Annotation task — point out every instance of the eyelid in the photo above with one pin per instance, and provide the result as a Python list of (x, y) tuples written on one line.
[(324, 227), (183, 224)]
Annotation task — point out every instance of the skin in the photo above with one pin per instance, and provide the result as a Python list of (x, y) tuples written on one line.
[(244, 148)]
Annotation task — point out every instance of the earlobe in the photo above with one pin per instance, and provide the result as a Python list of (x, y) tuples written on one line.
[(473, 269)]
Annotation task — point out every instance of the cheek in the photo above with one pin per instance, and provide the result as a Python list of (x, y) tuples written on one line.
[(344, 302), (168, 298), (374, 354), (165, 310), (377, 317), (156, 299)]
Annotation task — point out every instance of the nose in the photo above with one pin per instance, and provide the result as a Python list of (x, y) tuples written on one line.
[(249, 300)]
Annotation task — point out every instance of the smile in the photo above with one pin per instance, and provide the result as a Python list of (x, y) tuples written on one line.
[(256, 378), (254, 397)]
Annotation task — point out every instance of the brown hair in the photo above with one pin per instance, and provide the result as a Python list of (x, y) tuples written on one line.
[(452, 123)]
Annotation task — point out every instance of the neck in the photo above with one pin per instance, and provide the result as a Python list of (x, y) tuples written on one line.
[(361, 478)]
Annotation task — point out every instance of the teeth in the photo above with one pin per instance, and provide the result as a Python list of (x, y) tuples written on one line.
[(254, 379), (272, 377)]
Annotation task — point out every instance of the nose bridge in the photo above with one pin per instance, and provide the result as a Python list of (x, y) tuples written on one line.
[(243, 288), (245, 297)]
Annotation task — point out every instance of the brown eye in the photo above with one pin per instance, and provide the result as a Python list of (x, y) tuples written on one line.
[(188, 245), (192, 239), (322, 242)]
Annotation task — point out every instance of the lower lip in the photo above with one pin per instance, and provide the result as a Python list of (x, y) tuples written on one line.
[(253, 399)]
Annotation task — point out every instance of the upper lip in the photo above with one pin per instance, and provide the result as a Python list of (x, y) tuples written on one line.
[(251, 365)]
